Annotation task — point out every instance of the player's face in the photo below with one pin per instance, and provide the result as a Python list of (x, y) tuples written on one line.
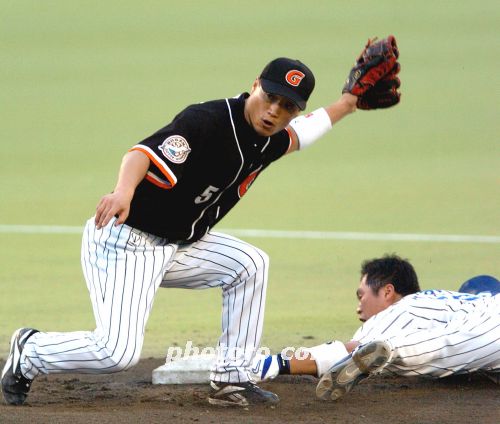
[(370, 302), (268, 113)]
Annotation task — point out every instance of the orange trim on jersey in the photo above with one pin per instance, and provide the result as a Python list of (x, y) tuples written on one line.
[(157, 182), (160, 164), (291, 145)]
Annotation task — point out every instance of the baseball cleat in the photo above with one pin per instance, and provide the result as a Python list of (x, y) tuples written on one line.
[(15, 386), (240, 394), (348, 372)]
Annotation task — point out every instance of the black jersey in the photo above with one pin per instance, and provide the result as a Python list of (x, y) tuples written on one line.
[(201, 164)]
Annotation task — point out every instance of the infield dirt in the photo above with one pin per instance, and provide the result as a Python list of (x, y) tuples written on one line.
[(129, 397)]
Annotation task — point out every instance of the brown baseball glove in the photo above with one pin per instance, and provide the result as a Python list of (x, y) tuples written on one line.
[(373, 79)]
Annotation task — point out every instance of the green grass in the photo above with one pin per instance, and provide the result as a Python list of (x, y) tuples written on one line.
[(83, 81)]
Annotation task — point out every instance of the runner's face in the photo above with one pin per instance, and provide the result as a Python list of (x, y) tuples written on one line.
[(268, 113), (369, 302)]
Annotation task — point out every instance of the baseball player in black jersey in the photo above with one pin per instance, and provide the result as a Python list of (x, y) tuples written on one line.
[(154, 230)]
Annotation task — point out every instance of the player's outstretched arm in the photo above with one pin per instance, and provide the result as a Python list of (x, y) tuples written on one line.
[(372, 83), (314, 361), (344, 106), (306, 129), (134, 166)]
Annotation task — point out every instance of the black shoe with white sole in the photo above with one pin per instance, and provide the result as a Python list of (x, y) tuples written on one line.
[(240, 394), (15, 386), (348, 372)]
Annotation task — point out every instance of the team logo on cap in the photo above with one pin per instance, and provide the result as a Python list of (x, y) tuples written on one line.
[(294, 77), (175, 148)]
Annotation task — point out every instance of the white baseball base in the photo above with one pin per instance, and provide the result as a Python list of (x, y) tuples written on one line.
[(193, 369)]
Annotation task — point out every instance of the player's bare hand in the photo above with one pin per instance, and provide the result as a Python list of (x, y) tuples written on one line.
[(114, 204)]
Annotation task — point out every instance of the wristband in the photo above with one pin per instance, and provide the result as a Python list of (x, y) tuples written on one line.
[(311, 127), (283, 364)]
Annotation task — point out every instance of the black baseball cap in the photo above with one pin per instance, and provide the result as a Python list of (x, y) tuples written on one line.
[(289, 78)]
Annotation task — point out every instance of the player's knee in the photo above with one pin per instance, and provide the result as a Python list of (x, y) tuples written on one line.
[(263, 258), (132, 361), (120, 361), (257, 263)]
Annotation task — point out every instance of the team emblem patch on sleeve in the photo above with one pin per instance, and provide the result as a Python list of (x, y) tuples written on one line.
[(175, 148)]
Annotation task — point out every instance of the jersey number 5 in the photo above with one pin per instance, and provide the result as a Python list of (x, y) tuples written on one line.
[(206, 195)]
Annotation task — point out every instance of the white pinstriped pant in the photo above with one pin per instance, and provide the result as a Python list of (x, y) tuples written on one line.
[(123, 268)]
